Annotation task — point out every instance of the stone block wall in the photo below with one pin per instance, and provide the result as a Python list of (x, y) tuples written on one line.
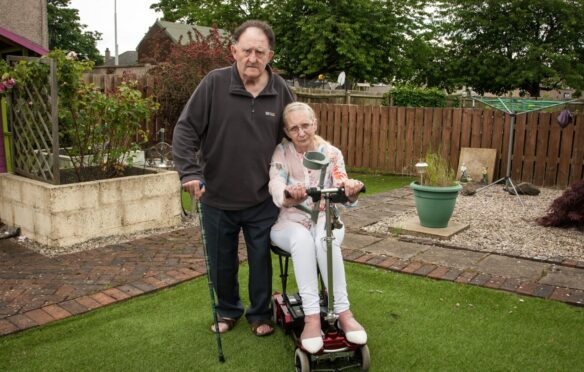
[(64, 215)]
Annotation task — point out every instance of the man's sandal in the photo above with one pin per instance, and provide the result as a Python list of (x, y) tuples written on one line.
[(228, 321), (258, 323)]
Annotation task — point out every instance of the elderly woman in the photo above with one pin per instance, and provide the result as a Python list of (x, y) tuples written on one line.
[(295, 232)]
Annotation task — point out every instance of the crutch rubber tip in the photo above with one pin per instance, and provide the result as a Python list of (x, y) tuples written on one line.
[(221, 358)]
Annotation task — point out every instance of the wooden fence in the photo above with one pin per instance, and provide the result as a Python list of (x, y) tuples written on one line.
[(393, 139)]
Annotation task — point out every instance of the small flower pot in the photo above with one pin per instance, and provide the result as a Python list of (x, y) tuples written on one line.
[(435, 204)]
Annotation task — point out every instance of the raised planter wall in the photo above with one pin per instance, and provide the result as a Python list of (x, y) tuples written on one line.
[(63, 215)]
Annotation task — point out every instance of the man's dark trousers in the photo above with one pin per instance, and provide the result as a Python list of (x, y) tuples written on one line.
[(222, 228)]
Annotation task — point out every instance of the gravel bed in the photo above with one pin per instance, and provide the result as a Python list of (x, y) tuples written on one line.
[(499, 224)]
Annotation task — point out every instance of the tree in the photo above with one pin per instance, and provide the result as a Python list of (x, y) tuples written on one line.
[(67, 33), (364, 38), (499, 45), (225, 14)]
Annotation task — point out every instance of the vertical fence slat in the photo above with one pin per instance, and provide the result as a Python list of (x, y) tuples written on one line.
[(518, 146), (577, 169), (376, 148), (359, 140), (476, 133), (436, 130), (409, 143), (367, 140), (337, 124), (456, 133), (497, 142), (392, 140), (383, 157), (400, 139), (349, 134), (505, 147), (466, 128), (418, 135), (565, 154), (543, 127), (551, 171), (530, 146), (330, 120), (427, 135), (447, 136), (487, 125)]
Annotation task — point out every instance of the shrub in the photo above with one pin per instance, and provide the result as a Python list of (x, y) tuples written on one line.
[(568, 209), (410, 96), (175, 80)]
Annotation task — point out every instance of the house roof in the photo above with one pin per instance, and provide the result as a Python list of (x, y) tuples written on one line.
[(127, 58), (177, 30), (9, 39)]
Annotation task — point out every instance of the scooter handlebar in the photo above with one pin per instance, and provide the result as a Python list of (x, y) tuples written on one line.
[(337, 193)]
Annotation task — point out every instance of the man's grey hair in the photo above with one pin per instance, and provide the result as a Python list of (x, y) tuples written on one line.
[(266, 29)]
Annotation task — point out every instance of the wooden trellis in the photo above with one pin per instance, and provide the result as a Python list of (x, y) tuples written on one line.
[(34, 123)]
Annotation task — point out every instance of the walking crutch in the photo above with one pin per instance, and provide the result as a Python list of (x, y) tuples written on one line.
[(196, 208)]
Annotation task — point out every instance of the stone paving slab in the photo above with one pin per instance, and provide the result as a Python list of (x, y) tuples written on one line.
[(356, 241), (565, 276), (512, 267), (459, 259), (395, 248)]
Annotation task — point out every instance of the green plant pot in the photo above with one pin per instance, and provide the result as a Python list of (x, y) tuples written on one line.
[(435, 204)]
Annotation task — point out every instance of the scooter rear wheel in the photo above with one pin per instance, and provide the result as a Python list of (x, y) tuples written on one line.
[(301, 361)]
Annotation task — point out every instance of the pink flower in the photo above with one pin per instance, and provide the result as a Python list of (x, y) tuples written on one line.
[(9, 83), (2, 87)]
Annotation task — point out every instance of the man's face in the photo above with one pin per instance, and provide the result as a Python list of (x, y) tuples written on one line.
[(252, 53)]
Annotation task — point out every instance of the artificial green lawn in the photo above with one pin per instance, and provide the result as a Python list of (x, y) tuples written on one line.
[(414, 324)]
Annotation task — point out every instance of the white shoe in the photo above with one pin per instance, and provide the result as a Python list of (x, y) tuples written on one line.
[(357, 337), (313, 344)]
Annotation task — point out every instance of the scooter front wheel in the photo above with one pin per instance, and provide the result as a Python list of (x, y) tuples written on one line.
[(301, 361), (364, 357)]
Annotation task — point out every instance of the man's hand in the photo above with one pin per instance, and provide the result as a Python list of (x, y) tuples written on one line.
[(195, 188)]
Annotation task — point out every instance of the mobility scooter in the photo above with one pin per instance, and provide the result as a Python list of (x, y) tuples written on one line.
[(337, 353)]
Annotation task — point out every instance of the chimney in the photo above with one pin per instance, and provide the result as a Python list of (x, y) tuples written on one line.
[(108, 54)]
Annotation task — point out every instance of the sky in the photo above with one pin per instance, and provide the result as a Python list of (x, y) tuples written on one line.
[(134, 19)]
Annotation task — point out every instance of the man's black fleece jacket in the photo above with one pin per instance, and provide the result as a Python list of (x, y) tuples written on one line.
[(236, 135)]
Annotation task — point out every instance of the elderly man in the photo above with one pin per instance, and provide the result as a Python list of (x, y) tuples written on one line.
[(234, 119)]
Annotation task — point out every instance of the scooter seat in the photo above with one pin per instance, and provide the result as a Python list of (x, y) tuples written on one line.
[(279, 251)]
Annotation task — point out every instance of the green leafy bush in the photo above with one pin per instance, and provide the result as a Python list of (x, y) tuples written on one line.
[(98, 130), (410, 96)]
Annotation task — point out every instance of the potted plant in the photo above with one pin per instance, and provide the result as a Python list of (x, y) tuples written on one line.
[(435, 195)]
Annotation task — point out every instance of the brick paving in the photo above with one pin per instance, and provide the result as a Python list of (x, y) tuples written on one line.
[(36, 290)]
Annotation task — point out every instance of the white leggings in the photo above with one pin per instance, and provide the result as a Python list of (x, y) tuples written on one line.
[(308, 247)]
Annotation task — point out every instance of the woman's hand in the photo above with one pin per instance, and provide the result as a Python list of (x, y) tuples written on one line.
[(352, 189), (294, 194)]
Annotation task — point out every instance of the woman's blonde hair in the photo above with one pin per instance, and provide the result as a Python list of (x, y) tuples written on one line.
[(297, 106)]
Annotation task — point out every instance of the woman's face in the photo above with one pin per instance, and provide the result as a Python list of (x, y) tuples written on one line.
[(301, 128)]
